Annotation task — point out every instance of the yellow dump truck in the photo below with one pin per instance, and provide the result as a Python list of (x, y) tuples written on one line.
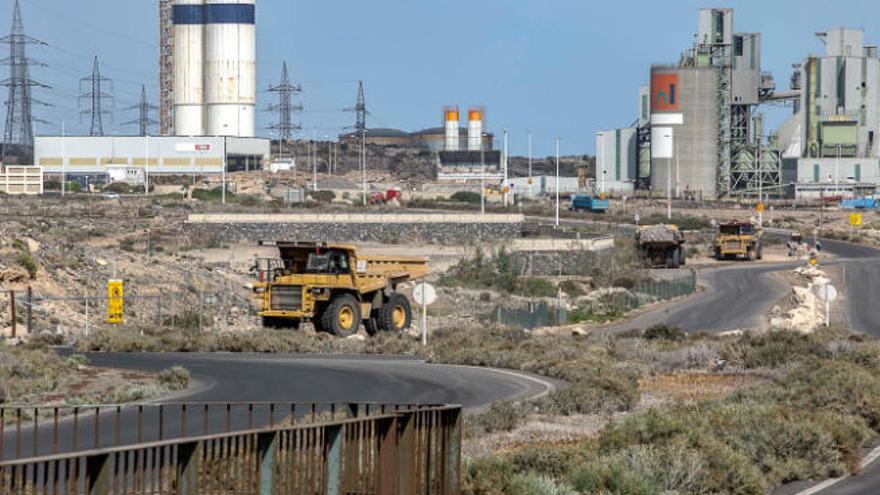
[(739, 240), (336, 288)]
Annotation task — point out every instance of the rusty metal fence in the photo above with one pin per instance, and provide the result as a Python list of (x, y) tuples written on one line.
[(374, 449)]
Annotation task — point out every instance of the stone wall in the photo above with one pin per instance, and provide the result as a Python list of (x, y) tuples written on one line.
[(445, 229)]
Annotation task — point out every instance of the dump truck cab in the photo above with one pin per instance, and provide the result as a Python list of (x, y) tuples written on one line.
[(739, 240), (336, 288)]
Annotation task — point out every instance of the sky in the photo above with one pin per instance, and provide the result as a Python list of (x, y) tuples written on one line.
[(560, 68)]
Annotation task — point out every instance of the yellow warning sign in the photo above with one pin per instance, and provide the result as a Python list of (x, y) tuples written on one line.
[(760, 207), (855, 219), (531, 181), (115, 301)]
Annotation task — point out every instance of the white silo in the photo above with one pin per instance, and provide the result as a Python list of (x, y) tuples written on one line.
[(451, 122), (475, 128), (230, 67), (189, 89)]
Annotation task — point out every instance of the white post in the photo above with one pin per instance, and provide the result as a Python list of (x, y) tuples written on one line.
[(760, 184), (329, 155), (364, 163), (557, 182), (424, 317), (505, 186), (314, 157), (146, 165), (63, 158), (223, 192), (530, 165), (827, 313), (669, 189)]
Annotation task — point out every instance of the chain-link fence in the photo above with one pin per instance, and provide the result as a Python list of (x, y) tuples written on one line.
[(611, 304), (24, 312)]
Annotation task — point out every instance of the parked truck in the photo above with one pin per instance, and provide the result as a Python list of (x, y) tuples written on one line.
[(661, 246), (336, 288), (739, 240), (588, 202)]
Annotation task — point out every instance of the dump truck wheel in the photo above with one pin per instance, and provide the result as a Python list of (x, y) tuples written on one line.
[(372, 323), (342, 317), (718, 254), (670, 263), (395, 315), (760, 254), (676, 258), (682, 257), (751, 255)]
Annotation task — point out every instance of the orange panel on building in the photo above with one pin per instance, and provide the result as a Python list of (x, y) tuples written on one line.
[(664, 92)]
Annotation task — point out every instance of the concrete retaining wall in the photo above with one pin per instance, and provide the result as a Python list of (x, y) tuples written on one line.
[(390, 228)]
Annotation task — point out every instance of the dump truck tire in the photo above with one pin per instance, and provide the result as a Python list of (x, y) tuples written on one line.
[(760, 252), (395, 315), (670, 259), (342, 317), (676, 258), (682, 257), (372, 323), (750, 254)]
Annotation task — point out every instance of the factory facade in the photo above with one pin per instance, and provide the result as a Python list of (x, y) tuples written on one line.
[(699, 132)]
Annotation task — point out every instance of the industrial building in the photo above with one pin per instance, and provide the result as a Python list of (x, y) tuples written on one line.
[(115, 157), (698, 133)]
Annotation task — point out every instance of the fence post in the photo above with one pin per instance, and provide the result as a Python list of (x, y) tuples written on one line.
[(98, 474), (12, 310), (452, 436), (406, 455), (386, 481), (30, 310), (267, 443), (188, 455), (333, 456)]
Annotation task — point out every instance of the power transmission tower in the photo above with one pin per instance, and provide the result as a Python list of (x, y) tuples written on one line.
[(360, 110), (144, 107), (96, 97), (18, 139), (284, 108)]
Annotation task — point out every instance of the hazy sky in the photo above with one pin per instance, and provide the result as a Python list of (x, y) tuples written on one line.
[(563, 68)]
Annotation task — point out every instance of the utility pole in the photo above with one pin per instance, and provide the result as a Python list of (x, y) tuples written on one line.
[(96, 98), (364, 163), (18, 137), (557, 182), (482, 176), (504, 187), (530, 165)]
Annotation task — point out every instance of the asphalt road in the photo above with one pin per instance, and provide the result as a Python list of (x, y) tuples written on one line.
[(261, 378)]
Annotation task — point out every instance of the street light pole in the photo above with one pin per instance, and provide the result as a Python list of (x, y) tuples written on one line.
[(557, 182), (530, 165), (63, 159), (223, 193), (329, 155), (505, 186), (482, 176), (364, 163)]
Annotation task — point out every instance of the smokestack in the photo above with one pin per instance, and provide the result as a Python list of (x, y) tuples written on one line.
[(451, 122), (475, 128)]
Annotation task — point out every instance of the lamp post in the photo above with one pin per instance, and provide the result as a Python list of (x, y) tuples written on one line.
[(482, 175), (530, 165), (557, 182), (364, 164)]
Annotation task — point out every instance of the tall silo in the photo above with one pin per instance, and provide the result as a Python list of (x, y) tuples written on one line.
[(475, 128), (230, 67), (189, 69), (451, 123)]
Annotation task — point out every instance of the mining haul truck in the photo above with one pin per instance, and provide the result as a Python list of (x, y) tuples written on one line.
[(739, 240), (661, 246), (336, 288)]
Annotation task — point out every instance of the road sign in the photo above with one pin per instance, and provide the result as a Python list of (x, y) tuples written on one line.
[(424, 294), (827, 292), (855, 219), (115, 301), (760, 207)]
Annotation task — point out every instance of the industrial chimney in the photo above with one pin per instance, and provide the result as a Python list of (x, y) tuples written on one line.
[(475, 128), (189, 67), (451, 122)]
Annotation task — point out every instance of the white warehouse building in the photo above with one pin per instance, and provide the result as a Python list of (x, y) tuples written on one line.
[(163, 155), (616, 160)]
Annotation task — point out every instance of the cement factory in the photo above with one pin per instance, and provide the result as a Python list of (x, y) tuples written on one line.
[(700, 133)]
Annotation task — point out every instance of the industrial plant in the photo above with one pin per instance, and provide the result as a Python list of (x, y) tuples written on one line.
[(700, 132)]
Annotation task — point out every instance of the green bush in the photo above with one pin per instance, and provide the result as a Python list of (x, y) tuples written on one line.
[(322, 196), (664, 332), (26, 260), (466, 197), (174, 378), (501, 416), (214, 195)]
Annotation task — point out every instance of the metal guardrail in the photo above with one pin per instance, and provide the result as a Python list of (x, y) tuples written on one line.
[(390, 450)]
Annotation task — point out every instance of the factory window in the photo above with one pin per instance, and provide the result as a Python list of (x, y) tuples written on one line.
[(816, 173), (738, 44)]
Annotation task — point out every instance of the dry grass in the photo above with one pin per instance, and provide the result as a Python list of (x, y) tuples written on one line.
[(692, 387)]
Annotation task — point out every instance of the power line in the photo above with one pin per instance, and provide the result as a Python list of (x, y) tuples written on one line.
[(97, 97), (18, 138), (284, 108)]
